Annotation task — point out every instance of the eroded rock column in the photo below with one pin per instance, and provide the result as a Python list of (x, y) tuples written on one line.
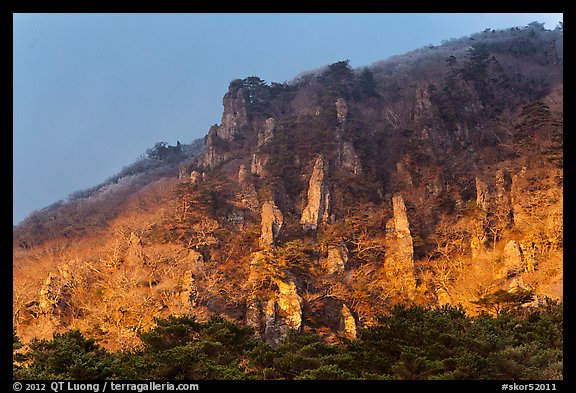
[(399, 263), (317, 209), (271, 223)]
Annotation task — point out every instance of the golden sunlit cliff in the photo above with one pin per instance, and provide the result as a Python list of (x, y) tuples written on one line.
[(431, 178)]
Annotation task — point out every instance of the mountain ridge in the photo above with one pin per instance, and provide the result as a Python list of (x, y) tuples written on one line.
[(434, 178)]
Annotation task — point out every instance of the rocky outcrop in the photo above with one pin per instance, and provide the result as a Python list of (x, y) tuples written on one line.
[(336, 260), (235, 217), (215, 152), (258, 164), (512, 258), (255, 316), (349, 159), (273, 318), (537, 204), (234, 121), (347, 323), (271, 223), (247, 197), (494, 212), (529, 255), (482, 195), (284, 312), (235, 116), (273, 313), (399, 261), (195, 177), (517, 285), (188, 294), (53, 308), (401, 225), (317, 209), (266, 133), (55, 294), (182, 172), (242, 175)]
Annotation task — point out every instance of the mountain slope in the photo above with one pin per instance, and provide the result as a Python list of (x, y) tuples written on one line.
[(434, 177)]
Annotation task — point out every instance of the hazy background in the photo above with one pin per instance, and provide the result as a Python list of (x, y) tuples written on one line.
[(93, 91)]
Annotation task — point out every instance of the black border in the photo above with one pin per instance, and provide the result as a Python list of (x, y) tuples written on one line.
[(181, 6)]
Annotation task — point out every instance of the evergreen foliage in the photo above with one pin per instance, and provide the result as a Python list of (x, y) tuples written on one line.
[(411, 343)]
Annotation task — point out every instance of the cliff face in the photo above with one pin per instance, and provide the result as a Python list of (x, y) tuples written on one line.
[(319, 204)]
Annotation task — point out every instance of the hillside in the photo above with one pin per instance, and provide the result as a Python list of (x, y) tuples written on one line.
[(430, 178)]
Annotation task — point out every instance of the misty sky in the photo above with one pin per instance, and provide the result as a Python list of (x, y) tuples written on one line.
[(93, 91)]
